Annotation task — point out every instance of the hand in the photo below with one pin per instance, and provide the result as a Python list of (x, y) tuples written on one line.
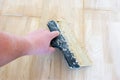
[(40, 41)]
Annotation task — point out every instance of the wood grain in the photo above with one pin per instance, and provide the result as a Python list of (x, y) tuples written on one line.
[(108, 5), (94, 24)]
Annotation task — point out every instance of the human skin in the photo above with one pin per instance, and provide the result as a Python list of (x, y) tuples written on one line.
[(35, 43)]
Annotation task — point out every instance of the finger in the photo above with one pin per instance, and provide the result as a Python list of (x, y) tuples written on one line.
[(51, 50), (53, 34)]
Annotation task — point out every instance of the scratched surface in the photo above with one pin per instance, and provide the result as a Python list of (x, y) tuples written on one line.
[(95, 25)]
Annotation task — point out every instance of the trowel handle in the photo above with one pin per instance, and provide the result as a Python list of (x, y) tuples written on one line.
[(53, 26)]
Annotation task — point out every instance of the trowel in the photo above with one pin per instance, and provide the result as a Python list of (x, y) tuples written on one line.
[(61, 43)]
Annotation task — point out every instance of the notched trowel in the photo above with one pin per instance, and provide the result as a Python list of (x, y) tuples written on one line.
[(60, 43)]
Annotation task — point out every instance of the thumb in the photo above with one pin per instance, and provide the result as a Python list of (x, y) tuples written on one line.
[(54, 34)]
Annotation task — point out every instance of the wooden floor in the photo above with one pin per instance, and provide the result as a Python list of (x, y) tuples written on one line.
[(95, 24)]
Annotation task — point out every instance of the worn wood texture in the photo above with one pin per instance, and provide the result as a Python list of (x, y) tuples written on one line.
[(94, 23)]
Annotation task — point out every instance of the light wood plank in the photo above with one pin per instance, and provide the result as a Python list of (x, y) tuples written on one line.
[(14, 7), (99, 31), (114, 42), (1, 5), (113, 5)]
